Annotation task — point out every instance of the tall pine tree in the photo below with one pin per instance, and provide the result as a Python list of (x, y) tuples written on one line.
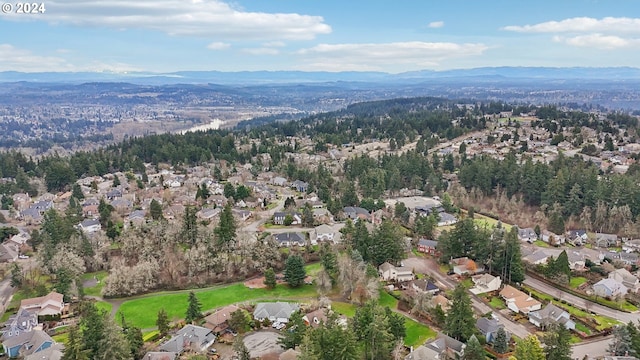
[(460, 322)]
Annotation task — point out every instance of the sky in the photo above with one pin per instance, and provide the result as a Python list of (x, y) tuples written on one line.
[(317, 35)]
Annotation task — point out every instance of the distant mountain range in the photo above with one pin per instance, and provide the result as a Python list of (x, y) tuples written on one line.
[(486, 74)]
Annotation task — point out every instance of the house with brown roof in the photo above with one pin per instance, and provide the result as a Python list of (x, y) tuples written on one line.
[(517, 301), (315, 318), (51, 304), (217, 321)]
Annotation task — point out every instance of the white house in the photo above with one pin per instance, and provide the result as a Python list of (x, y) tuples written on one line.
[(323, 233), (89, 226), (551, 314), (626, 278), (51, 304), (275, 311), (389, 272), (485, 283), (609, 288), (519, 302)]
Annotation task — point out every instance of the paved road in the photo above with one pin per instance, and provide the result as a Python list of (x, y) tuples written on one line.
[(625, 317), (432, 270), (593, 349)]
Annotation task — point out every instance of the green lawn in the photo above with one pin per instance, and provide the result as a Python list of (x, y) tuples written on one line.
[(103, 305), (482, 220), (497, 303), (577, 281), (540, 243), (150, 335), (346, 309), (97, 289), (387, 300), (582, 327), (61, 338), (313, 269), (141, 312), (417, 333)]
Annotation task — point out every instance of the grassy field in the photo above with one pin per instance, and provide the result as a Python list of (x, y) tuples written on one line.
[(541, 243), (417, 333), (313, 269), (387, 300), (497, 303), (142, 312), (61, 338), (97, 289), (103, 305), (581, 327), (346, 309), (577, 281)]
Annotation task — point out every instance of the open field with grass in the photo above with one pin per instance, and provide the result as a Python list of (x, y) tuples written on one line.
[(142, 311), (387, 300), (99, 277), (497, 303), (576, 281), (540, 243), (103, 305), (417, 333)]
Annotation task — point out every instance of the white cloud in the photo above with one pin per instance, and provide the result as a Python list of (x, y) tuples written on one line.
[(598, 41), (620, 25), (274, 44), (17, 59), (436, 24), (12, 58), (199, 18), (218, 45), (383, 57), (261, 51)]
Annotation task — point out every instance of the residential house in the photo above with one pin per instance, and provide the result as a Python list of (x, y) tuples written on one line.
[(447, 219), (517, 301), (627, 258), (275, 311), (122, 205), (551, 314), (610, 288), (551, 238), (280, 216), (466, 266), (485, 283), (242, 215), (290, 239), (315, 318), (27, 343), (426, 210), (527, 234), (21, 201), (323, 233), (489, 327), (300, 186), (160, 355), (323, 216), (217, 321), (356, 213), (389, 272), (423, 353), (50, 304), (31, 216), (425, 286), (54, 352), (279, 181), (114, 194), (8, 253), (538, 257), (20, 239), (196, 338), (626, 278), (446, 347), (577, 237), (137, 217), (208, 213), (89, 226), (428, 247), (23, 321), (606, 240)]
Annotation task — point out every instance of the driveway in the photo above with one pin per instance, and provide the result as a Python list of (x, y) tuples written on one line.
[(262, 343)]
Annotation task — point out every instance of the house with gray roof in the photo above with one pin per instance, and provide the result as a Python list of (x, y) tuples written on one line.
[(489, 327), (89, 226), (160, 355), (537, 258), (354, 213), (527, 234), (609, 288), (551, 314), (8, 252), (446, 347), (428, 247), (55, 352), (275, 311), (196, 338), (446, 219), (27, 343), (23, 321), (422, 353), (606, 240), (290, 239)]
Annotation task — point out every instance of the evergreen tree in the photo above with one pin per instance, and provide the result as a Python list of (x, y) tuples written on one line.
[(189, 226), (241, 349), (113, 344), (396, 324), (92, 323), (530, 348), (76, 192), (270, 278), (500, 344), (329, 261), (622, 344), (387, 244), (229, 191), (194, 309), (557, 343), (226, 230), (330, 341), (155, 208), (295, 332), (116, 181), (240, 321), (16, 275), (294, 271), (73, 349), (162, 322), (136, 342), (460, 322), (307, 216), (634, 334), (473, 350)]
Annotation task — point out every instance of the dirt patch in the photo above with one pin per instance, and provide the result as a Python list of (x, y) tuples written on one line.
[(263, 343), (257, 283)]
